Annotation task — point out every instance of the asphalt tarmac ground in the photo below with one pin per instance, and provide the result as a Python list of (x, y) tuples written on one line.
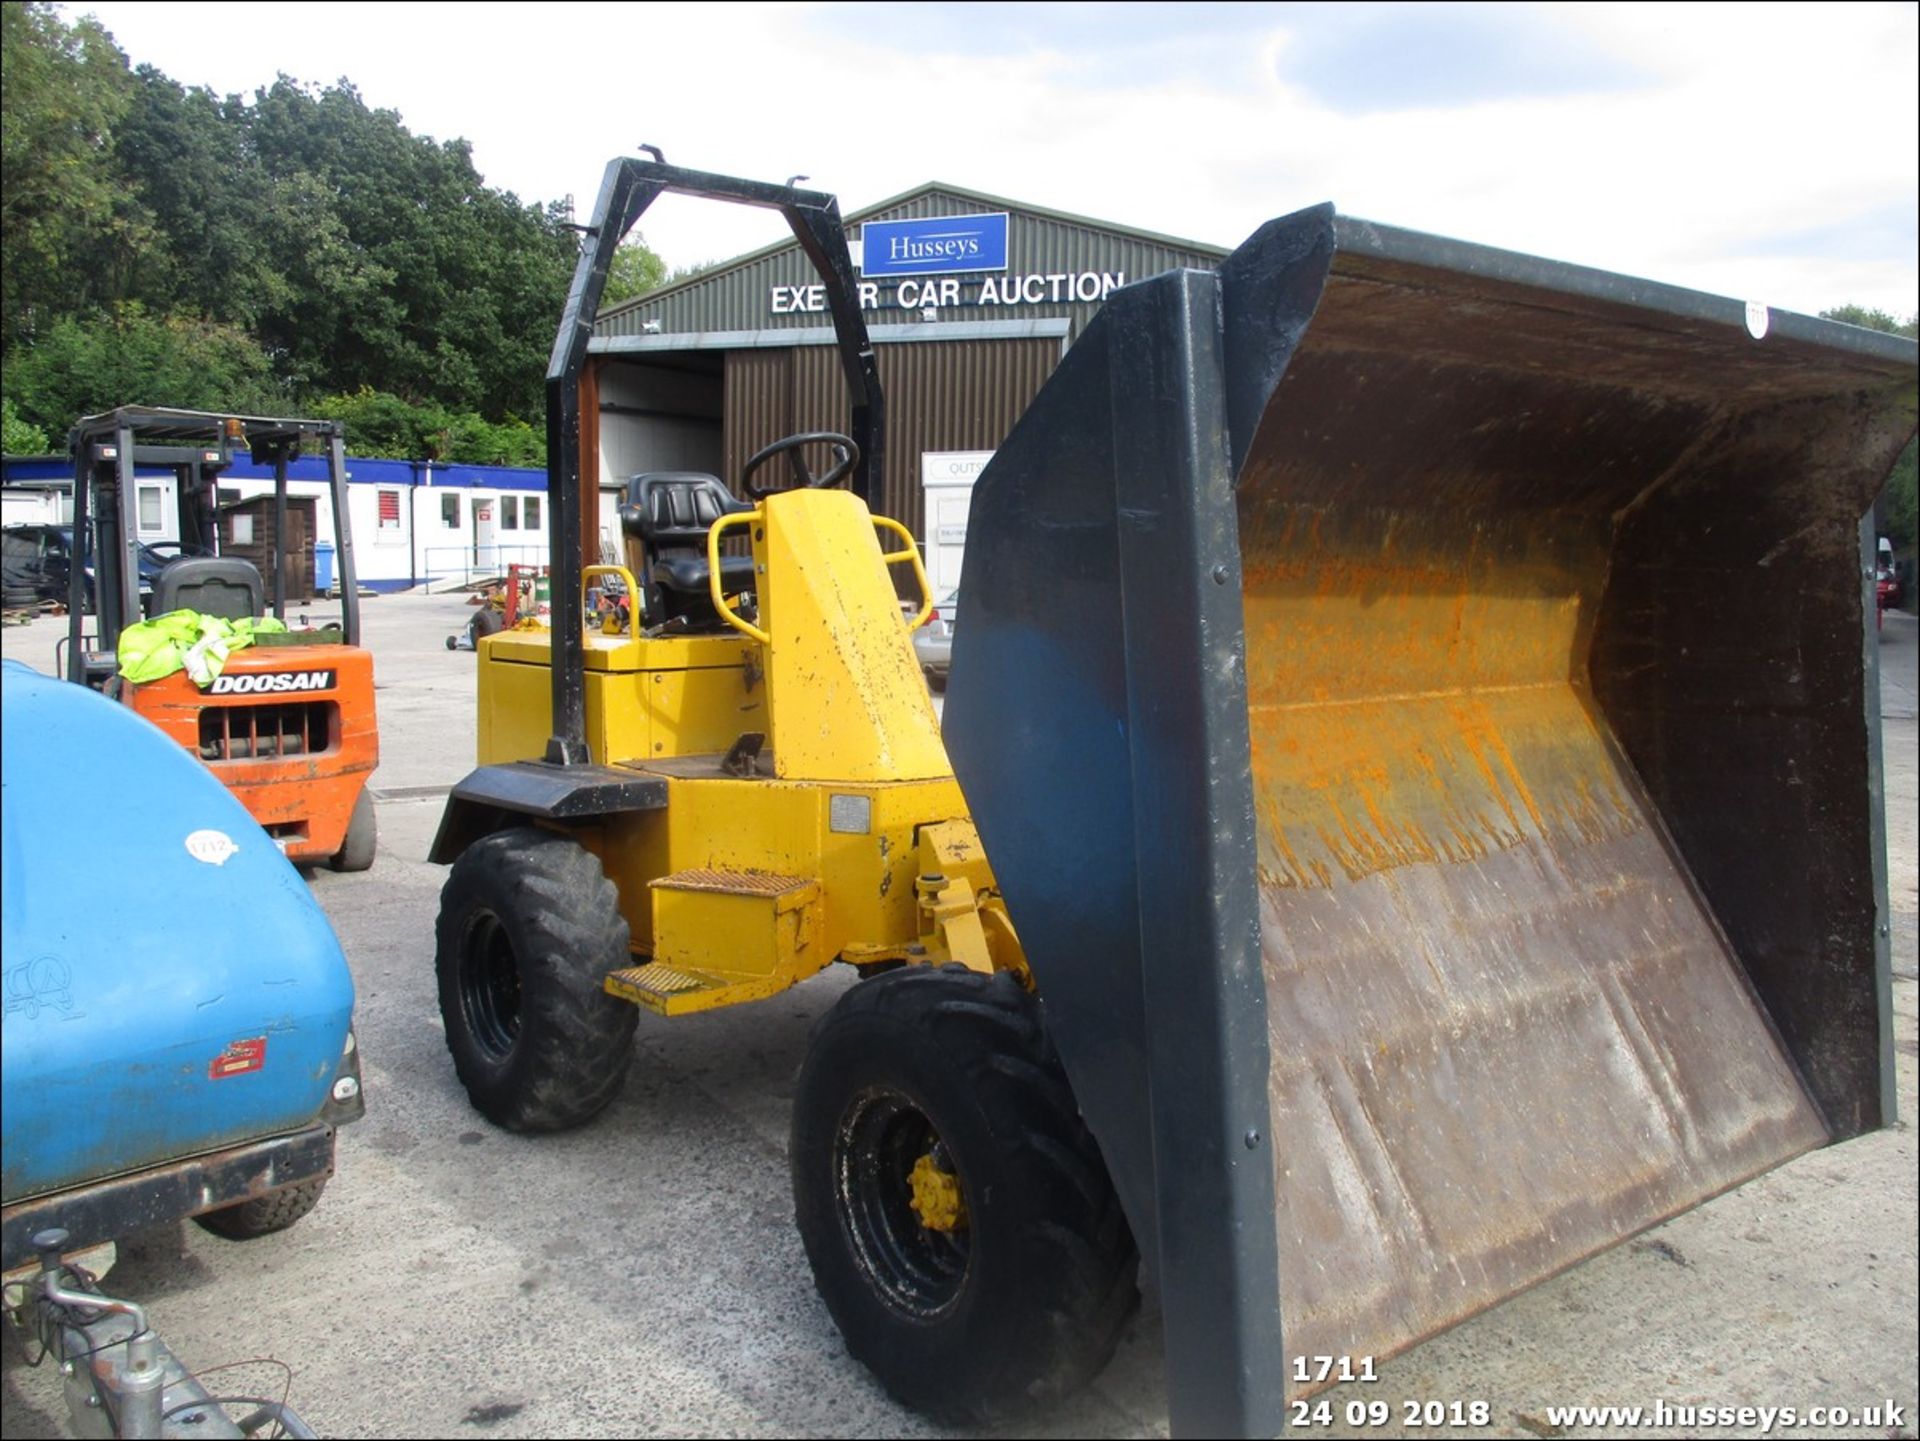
[(642, 1276)]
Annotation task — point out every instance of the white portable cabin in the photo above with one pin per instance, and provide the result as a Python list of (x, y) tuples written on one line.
[(420, 522)]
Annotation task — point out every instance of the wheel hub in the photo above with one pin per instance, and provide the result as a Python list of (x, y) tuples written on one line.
[(937, 1198), (490, 986), (904, 1211)]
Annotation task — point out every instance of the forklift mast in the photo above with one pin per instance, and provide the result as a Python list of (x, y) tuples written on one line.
[(198, 446), (627, 189)]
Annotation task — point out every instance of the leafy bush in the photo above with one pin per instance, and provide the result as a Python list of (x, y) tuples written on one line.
[(392, 427), (83, 366), (19, 438)]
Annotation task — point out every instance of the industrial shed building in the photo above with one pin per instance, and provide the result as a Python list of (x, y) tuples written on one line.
[(971, 300)]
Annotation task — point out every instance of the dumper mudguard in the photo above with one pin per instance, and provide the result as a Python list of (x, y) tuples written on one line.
[(177, 1010), (1441, 807)]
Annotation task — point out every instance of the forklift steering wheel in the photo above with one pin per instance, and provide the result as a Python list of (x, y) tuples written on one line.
[(846, 455)]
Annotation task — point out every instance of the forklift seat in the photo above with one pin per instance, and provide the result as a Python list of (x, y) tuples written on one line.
[(667, 514), (213, 585)]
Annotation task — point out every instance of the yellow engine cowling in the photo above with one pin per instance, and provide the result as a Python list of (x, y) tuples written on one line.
[(841, 835)]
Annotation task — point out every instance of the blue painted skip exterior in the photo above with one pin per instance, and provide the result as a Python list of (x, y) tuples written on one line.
[(131, 967)]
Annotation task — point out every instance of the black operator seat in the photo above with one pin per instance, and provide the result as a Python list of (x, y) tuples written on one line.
[(667, 513), (223, 586)]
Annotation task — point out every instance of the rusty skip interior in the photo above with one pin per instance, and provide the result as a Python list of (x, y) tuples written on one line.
[(1554, 679)]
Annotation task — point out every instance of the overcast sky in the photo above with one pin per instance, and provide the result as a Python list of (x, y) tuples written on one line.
[(1766, 152)]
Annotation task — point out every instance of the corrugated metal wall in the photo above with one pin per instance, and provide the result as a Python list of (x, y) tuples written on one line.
[(736, 296), (757, 404), (941, 395)]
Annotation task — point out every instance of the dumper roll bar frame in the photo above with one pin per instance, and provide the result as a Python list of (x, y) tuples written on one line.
[(626, 190), (198, 446)]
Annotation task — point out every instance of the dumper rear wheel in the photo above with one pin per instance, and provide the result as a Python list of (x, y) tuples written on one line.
[(529, 927), (960, 1222), (264, 1215)]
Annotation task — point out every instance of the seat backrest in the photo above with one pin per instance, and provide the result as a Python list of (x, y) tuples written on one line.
[(670, 509), (220, 586), (664, 518)]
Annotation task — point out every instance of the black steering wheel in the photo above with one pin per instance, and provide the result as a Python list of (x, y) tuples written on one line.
[(846, 455)]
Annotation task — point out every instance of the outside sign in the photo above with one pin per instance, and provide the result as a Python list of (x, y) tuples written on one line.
[(952, 467)]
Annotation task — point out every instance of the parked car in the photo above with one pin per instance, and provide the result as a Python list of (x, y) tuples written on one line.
[(35, 561), (168, 550), (933, 642), (1886, 576)]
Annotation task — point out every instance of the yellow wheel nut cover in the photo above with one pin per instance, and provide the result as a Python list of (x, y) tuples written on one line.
[(937, 1199)]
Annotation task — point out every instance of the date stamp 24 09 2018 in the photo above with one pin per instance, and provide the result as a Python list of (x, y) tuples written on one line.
[(1403, 1417)]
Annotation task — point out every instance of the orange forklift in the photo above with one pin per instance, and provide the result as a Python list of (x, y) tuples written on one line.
[(288, 723)]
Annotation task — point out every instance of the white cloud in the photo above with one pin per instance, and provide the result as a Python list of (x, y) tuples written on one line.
[(1765, 151)]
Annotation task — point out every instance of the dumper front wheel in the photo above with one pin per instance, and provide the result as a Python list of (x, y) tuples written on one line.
[(529, 927), (960, 1222)]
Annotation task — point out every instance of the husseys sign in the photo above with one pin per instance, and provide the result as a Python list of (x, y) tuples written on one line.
[(916, 264), (944, 245), (278, 682)]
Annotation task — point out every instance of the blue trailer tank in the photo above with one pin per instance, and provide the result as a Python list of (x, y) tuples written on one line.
[(172, 989)]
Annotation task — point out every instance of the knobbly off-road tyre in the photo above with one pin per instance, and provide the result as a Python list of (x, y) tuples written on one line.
[(265, 1214), (529, 927), (1026, 1303)]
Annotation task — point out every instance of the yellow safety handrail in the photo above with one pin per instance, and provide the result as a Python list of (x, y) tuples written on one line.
[(911, 555), (633, 593), (727, 613)]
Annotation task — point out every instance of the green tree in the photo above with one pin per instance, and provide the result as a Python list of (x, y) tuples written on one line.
[(128, 357), (64, 88), (357, 256), (473, 441), (1900, 515), (688, 272), (1873, 319), (635, 270), (183, 155), (17, 437), (382, 424), (1901, 510), (466, 281)]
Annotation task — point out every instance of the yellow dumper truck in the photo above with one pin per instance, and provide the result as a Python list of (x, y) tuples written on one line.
[(1412, 818)]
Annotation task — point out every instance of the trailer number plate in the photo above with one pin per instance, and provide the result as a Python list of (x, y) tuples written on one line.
[(239, 1058)]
